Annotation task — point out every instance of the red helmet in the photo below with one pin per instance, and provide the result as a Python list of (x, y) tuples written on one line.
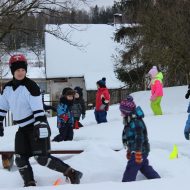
[(17, 58)]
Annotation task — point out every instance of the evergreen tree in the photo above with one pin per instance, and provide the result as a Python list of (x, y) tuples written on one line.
[(160, 38)]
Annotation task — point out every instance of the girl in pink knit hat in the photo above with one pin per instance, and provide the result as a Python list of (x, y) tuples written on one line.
[(156, 90), (153, 72)]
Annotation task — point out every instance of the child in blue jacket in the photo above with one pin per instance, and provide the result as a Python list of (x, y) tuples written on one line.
[(135, 139), (65, 118), (187, 125)]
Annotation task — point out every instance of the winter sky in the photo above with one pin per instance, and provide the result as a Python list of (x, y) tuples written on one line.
[(102, 2), (92, 3)]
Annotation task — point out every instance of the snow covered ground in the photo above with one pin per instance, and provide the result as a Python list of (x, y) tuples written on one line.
[(102, 167)]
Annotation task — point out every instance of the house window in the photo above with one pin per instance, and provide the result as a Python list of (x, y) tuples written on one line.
[(61, 80)]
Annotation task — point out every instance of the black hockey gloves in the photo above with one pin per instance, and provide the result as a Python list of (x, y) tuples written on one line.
[(41, 130), (1, 130)]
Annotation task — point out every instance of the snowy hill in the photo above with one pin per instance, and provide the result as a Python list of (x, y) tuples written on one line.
[(102, 167)]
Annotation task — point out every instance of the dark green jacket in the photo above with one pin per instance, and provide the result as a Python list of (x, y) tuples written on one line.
[(135, 136)]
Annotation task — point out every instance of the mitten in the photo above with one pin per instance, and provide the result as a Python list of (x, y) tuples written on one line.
[(102, 107), (76, 124), (186, 134), (187, 128), (128, 155), (83, 116), (138, 157), (1, 130), (41, 130), (188, 109), (152, 98), (187, 94), (105, 102)]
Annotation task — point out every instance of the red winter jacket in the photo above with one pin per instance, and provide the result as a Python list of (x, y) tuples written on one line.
[(102, 93)]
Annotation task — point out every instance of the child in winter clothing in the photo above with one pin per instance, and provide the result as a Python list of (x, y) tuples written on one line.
[(65, 119), (187, 125), (102, 101), (78, 107), (22, 97), (156, 90), (135, 138)]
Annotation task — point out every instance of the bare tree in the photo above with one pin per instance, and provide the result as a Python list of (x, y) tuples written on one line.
[(13, 15)]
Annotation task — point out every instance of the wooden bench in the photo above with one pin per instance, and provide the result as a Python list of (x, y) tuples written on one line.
[(53, 152), (8, 156)]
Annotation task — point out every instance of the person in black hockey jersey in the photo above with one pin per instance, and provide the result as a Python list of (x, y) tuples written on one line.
[(22, 97)]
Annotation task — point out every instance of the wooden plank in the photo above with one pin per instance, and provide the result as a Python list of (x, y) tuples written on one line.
[(54, 152)]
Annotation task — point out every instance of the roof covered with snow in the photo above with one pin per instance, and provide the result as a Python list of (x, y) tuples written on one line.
[(91, 59)]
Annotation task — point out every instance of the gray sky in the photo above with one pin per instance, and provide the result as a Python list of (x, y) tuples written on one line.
[(102, 2), (90, 3)]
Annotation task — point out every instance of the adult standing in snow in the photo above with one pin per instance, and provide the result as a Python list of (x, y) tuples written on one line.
[(156, 90), (135, 139), (23, 98), (187, 125), (102, 101)]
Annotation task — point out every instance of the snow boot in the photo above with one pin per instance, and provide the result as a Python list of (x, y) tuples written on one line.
[(30, 183), (27, 175), (73, 175), (7, 160)]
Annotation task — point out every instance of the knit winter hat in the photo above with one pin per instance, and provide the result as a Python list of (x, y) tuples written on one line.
[(68, 91), (17, 62), (153, 72), (127, 106), (102, 82), (78, 90)]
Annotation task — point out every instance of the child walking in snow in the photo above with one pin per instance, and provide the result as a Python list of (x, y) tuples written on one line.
[(156, 90), (135, 139), (187, 125), (65, 119), (22, 97)]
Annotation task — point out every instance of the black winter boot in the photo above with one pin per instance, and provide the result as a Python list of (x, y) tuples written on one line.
[(27, 175), (73, 175), (30, 183)]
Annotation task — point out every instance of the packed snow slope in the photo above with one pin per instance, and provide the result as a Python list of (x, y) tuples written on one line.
[(101, 165)]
